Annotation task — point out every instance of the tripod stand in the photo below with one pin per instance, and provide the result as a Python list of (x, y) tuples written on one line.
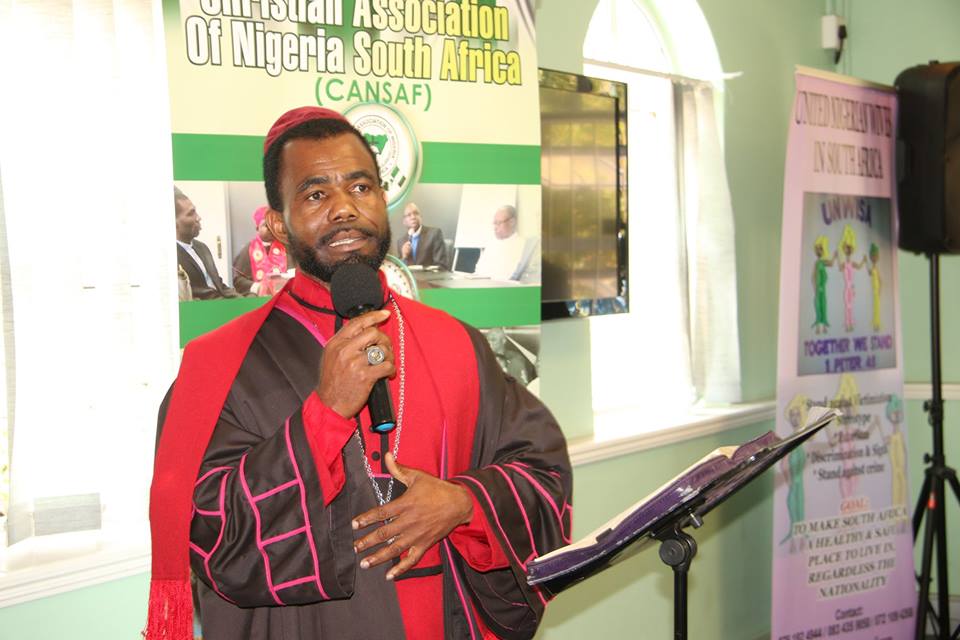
[(931, 504)]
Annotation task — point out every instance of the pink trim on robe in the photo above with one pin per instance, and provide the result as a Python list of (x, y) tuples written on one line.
[(285, 305), (256, 518), (516, 498), (496, 518), (283, 536), (306, 516), (546, 494), (463, 601), (278, 489)]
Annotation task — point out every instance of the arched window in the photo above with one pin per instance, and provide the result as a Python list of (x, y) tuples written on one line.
[(89, 339), (623, 34), (678, 345)]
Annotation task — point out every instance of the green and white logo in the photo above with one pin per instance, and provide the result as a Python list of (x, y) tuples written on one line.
[(390, 136)]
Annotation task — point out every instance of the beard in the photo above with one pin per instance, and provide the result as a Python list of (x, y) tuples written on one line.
[(306, 256)]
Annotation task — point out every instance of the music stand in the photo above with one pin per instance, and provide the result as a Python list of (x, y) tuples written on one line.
[(664, 516)]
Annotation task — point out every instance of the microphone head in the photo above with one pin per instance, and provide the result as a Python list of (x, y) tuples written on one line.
[(355, 289)]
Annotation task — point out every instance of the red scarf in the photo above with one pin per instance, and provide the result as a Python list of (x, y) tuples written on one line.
[(210, 364)]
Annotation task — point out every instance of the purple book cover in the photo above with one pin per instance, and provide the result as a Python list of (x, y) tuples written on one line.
[(696, 491)]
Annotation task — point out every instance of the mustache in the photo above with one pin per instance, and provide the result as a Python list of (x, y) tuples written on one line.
[(326, 238)]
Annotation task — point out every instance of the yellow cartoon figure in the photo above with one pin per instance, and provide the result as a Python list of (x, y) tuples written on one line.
[(874, 271), (898, 452), (847, 401)]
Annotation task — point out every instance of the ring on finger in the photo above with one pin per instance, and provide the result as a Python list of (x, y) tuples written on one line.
[(375, 355)]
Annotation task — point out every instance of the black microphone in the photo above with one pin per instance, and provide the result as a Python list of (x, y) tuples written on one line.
[(355, 289)]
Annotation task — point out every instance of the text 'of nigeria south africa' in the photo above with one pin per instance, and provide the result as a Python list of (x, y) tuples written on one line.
[(422, 28)]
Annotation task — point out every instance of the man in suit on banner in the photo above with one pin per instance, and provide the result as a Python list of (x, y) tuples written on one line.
[(422, 245), (193, 256)]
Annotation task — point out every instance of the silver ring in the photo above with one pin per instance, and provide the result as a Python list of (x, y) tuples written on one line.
[(375, 355)]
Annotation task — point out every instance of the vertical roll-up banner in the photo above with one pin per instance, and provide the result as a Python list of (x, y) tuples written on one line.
[(842, 541), (445, 93)]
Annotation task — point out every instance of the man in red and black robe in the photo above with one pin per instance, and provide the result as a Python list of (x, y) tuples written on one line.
[(301, 522)]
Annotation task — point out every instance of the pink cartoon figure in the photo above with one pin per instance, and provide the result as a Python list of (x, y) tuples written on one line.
[(848, 244)]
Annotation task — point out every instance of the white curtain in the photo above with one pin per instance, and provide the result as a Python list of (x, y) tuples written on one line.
[(711, 262), (88, 268), (6, 348)]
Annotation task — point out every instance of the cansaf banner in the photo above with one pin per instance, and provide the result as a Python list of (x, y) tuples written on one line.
[(445, 93), (842, 544)]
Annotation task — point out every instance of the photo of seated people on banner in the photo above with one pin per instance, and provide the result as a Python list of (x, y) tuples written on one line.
[(222, 253), (469, 235), (473, 236)]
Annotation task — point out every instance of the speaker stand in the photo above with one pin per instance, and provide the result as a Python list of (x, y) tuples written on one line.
[(931, 511)]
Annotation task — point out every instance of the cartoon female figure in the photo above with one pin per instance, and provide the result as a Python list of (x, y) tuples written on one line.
[(792, 466), (897, 451), (874, 271), (848, 243), (847, 401), (821, 246)]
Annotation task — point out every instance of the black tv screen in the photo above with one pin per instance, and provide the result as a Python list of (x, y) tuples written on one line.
[(583, 176)]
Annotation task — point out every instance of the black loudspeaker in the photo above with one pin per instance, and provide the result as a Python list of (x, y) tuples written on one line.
[(928, 158)]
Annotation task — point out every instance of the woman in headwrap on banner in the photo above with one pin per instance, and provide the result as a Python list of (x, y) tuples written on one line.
[(261, 264)]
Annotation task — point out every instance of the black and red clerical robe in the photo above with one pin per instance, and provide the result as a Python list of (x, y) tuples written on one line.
[(271, 543)]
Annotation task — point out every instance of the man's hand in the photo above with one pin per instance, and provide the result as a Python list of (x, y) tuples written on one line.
[(406, 250), (428, 510), (346, 377)]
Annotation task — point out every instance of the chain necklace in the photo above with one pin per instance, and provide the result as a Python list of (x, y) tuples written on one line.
[(396, 440)]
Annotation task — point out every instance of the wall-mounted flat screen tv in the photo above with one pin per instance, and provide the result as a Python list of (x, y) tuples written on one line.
[(583, 138)]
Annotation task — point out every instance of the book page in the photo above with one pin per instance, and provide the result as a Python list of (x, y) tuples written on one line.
[(817, 416), (591, 538)]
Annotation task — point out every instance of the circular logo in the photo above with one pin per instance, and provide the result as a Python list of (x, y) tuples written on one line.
[(389, 135)]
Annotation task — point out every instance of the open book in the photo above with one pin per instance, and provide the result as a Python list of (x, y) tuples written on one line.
[(679, 502)]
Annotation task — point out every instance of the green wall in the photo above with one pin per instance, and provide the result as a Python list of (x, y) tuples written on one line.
[(111, 611), (764, 41), (729, 585), (634, 599), (886, 37)]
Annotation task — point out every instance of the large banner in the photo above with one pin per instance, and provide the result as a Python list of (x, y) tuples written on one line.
[(842, 543), (446, 95)]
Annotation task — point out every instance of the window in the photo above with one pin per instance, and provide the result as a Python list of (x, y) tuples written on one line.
[(89, 303), (679, 342)]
